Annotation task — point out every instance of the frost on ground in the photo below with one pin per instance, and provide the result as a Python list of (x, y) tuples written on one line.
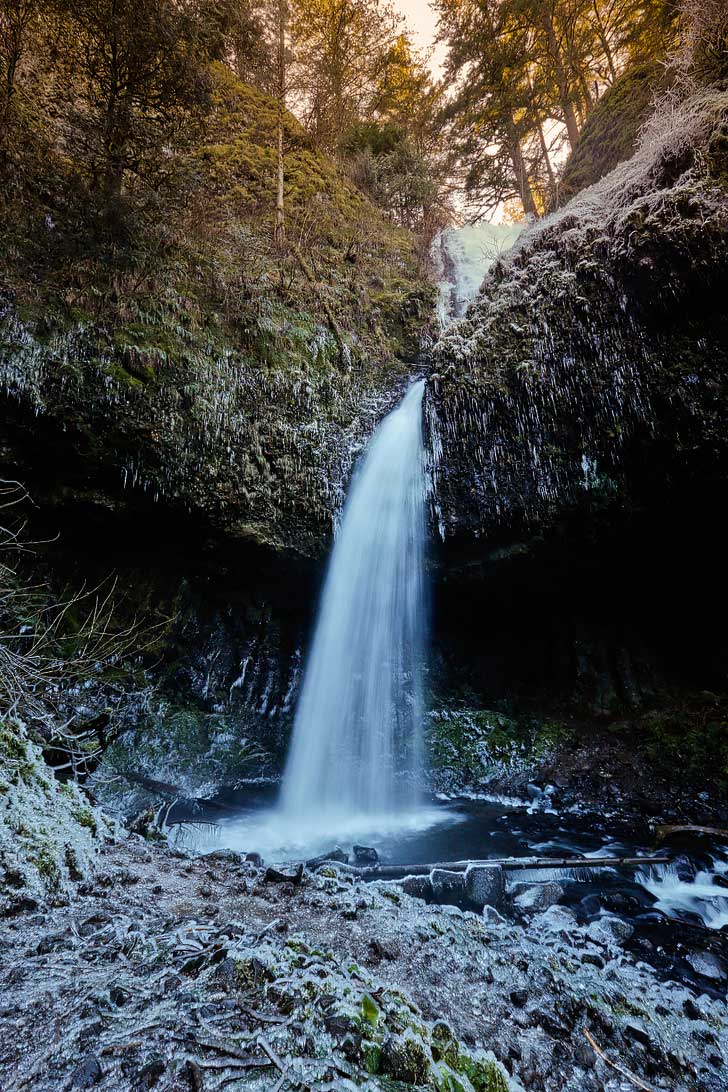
[(49, 834), (179, 973), (596, 340)]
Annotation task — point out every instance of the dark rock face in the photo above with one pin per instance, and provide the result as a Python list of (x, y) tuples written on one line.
[(591, 367), (577, 411)]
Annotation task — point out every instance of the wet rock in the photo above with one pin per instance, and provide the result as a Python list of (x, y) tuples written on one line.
[(684, 869), (590, 906), (492, 917), (404, 1059), (519, 997), (485, 886), (88, 1073), (610, 930), (149, 1075), (447, 886), (417, 886), (255, 859), (365, 855), (335, 854), (691, 1010), (709, 965), (532, 897)]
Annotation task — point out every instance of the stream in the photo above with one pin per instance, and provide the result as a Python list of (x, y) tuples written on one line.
[(679, 912)]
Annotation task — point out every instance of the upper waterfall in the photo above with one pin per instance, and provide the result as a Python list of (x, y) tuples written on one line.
[(462, 258), (356, 747)]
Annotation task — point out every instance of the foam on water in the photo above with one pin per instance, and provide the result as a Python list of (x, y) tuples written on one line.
[(272, 834), (700, 896)]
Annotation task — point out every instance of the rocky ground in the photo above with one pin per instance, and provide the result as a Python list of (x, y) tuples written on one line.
[(171, 972)]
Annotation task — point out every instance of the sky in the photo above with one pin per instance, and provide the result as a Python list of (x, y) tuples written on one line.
[(423, 23)]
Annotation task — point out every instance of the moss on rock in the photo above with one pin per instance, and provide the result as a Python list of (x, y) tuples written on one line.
[(347, 1014), (49, 834)]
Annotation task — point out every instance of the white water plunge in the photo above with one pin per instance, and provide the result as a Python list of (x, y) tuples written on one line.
[(356, 752)]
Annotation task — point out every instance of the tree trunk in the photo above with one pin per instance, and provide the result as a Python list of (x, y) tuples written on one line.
[(279, 230), (523, 182), (562, 80), (547, 160), (603, 38)]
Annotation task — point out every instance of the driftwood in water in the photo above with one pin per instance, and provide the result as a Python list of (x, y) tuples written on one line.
[(665, 832), (509, 864)]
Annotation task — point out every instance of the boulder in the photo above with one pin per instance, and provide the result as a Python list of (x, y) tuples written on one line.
[(532, 897), (557, 919), (417, 886), (610, 930), (485, 886), (365, 855), (447, 886), (335, 854), (709, 965)]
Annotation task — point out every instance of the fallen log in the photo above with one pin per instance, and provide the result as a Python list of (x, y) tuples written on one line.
[(508, 864)]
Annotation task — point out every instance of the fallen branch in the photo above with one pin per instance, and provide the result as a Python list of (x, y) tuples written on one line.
[(665, 832), (618, 1068)]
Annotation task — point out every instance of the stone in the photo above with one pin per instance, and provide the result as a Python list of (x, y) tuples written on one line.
[(417, 886), (335, 854), (88, 1073), (492, 917), (610, 930), (485, 885), (557, 919), (365, 855), (691, 1010), (538, 896), (708, 965), (404, 1059), (636, 1031), (228, 855), (446, 885)]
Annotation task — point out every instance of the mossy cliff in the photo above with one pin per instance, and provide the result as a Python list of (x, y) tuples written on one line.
[(49, 834), (202, 367)]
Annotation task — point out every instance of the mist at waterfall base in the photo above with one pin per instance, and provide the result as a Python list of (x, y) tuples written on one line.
[(354, 770)]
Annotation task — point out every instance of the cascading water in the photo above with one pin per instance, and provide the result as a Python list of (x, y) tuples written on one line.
[(356, 748)]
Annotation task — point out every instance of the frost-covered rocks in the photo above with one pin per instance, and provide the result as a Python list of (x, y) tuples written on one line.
[(532, 897), (485, 886), (49, 834)]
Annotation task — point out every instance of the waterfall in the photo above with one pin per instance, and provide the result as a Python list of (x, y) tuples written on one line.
[(356, 747), (463, 256)]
